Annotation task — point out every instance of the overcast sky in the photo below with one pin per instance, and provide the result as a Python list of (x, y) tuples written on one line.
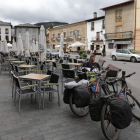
[(33, 11)]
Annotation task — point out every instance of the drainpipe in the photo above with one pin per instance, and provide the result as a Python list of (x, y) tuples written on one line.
[(135, 24)]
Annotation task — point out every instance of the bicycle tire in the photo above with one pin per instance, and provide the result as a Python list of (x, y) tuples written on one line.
[(133, 105), (105, 117), (83, 111)]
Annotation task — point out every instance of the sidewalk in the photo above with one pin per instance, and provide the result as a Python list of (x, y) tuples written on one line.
[(52, 123)]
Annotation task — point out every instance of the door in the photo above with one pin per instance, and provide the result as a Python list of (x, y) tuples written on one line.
[(98, 36), (118, 32), (53, 46), (64, 49), (119, 54), (126, 55), (92, 47)]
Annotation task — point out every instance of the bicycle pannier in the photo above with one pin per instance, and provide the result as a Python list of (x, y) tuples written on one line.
[(95, 108), (81, 96), (67, 93), (121, 114)]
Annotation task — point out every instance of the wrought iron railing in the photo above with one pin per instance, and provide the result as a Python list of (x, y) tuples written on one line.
[(119, 35)]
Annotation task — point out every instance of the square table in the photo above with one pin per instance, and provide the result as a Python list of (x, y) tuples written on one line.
[(27, 66), (36, 77), (75, 64), (81, 60), (18, 62), (12, 59)]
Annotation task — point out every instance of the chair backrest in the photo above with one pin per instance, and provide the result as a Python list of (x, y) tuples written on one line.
[(75, 60), (16, 68), (101, 62), (16, 81), (82, 75), (65, 66), (54, 78), (111, 67), (70, 60), (49, 72), (54, 64), (68, 73), (80, 61), (112, 73), (12, 66), (61, 61), (42, 67)]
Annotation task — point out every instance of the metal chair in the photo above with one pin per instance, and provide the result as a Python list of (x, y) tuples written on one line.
[(50, 89), (23, 91)]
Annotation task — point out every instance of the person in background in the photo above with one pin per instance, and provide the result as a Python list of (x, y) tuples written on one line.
[(92, 64)]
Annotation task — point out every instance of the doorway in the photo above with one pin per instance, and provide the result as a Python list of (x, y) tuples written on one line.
[(78, 48), (64, 49), (92, 47), (119, 46)]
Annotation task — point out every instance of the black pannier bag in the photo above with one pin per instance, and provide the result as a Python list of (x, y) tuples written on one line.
[(67, 93), (81, 96), (95, 108), (120, 113)]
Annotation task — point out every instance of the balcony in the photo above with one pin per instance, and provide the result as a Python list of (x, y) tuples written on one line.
[(52, 39), (96, 39), (119, 35), (78, 37), (58, 38)]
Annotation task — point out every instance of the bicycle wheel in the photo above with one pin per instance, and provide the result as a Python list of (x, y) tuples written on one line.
[(109, 131), (78, 111), (134, 104)]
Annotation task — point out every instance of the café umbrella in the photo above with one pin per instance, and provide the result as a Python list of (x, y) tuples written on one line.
[(14, 48), (27, 44), (61, 51), (19, 45), (1, 46), (5, 46), (42, 44)]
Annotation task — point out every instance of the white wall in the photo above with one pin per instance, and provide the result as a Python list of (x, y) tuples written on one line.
[(3, 32), (92, 33), (32, 31)]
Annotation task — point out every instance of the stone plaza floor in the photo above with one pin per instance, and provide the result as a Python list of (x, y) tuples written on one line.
[(53, 123)]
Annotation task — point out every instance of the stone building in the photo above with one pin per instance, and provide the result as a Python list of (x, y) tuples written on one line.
[(32, 29), (72, 33), (119, 26)]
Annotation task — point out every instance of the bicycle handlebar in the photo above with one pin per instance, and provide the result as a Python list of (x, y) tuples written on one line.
[(120, 79)]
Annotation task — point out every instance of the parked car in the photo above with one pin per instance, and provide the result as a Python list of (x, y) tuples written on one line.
[(52, 52), (125, 54)]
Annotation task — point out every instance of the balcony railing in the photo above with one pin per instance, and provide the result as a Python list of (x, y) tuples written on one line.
[(96, 38), (53, 39), (58, 38), (119, 35)]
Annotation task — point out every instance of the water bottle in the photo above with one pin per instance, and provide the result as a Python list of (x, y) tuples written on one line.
[(94, 88), (121, 96)]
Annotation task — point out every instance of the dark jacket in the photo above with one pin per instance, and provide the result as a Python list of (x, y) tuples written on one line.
[(90, 65)]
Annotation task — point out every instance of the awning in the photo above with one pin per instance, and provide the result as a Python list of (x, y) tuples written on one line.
[(123, 42)]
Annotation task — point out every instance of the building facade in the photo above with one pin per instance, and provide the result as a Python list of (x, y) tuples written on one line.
[(72, 33), (95, 33), (32, 29), (5, 31), (119, 26), (137, 25)]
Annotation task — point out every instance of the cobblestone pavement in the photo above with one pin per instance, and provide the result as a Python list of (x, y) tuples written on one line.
[(53, 123)]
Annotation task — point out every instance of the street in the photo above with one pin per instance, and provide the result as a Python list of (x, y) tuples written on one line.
[(57, 122)]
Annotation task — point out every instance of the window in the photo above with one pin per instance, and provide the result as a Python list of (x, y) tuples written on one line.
[(97, 47), (7, 37), (34, 30), (92, 25), (0, 30), (6, 31), (20, 30), (0, 37), (97, 35), (103, 24), (78, 33), (118, 15), (125, 51), (110, 46), (71, 33), (53, 36), (118, 51), (65, 35), (34, 37), (58, 35), (118, 32)]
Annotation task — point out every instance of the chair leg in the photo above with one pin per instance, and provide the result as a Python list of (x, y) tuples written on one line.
[(15, 98), (19, 101), (43, 102), (58, 96)]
